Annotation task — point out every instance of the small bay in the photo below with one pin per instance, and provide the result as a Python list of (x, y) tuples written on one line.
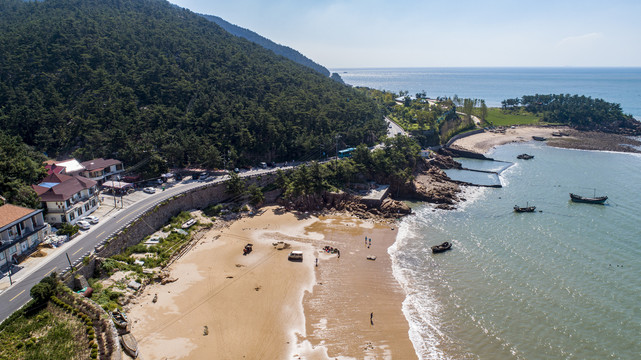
[(558, 283)]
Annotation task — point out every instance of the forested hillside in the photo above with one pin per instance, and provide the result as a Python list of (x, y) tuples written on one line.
[(582, 112), (143, 79), (268, 44)]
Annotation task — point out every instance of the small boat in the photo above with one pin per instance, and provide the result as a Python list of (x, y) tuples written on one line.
[(525, 156), (129, 345), (590, 200), (441, 248), (524, 209), (120, 320), (539, 138), (188, 223)]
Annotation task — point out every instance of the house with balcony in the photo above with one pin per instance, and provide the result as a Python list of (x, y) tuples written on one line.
[(101, 170), (67, 198), (21, 230)]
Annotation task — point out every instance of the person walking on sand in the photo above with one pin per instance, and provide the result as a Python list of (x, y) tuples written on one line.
[(371, 318)]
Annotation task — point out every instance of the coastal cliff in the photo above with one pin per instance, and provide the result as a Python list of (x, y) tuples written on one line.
[(430, 185)]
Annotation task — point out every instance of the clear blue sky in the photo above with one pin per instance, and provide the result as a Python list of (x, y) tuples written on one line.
[(377, 33)]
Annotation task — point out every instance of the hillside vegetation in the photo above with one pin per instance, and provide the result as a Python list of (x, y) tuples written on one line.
[(278, 49), (582, 112), (143, 80)]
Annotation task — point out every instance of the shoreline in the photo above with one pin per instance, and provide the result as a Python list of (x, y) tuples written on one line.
[(264, 304), (483, 142)]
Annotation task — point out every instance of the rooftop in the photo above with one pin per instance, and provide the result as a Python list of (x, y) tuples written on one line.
[(10, 213), (99, 163)]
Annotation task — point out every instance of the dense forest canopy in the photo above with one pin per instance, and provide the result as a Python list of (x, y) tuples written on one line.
[(20, 166), (282, 50), (582, 112), (144, 80)]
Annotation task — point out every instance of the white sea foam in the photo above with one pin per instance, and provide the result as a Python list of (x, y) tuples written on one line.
[(419, 307)]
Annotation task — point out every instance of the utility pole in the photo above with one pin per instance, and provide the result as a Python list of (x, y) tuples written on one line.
[(70, 266), (10, 271)]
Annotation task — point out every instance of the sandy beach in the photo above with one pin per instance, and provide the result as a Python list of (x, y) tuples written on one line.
[(582, 140), (485, 141), (261, 306)]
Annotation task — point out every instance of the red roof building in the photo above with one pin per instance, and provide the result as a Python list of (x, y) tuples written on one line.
[(67, 198)]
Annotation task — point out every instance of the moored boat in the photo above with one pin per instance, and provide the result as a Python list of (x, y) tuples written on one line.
[(524, 209), (589, 200), (525, 156), (442, 247), (539, 138)]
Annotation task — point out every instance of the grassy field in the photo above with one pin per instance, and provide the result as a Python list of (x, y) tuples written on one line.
[(46, 334), (498, 117)]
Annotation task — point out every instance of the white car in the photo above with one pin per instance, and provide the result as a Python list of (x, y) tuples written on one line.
[(83, 225), (149, 190), (90, 219)]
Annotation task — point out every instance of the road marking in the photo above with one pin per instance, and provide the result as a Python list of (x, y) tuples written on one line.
[(76, 251), (123, 218), (50, 271), (101, 233), (20, 293)]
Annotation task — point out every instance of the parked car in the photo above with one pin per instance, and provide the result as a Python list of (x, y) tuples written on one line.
[(149, 190), (263, 165), (83, 225), (90, 219), (236, 170)]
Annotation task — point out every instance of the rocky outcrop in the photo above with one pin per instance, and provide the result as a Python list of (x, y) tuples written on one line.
[(432, 185), (342, 201)]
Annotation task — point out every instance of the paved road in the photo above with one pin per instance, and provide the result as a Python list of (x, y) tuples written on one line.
[(17, 295), (393, 128)]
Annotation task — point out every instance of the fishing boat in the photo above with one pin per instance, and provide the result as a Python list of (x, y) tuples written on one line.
[(441, 248), (590, 200), (120, 320), (525, 156), (539, 138), (524, 209), (129, 345)]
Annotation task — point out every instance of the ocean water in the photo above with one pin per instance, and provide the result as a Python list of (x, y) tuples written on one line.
[(561, 283), (619, 85)]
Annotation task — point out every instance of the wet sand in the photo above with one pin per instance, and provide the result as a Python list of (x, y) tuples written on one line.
[(264, 306), (482, 143)]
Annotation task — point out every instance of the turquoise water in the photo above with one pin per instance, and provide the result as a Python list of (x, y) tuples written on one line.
[(562, 283), (619, 85)]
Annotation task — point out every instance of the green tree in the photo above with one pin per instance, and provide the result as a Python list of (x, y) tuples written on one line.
[(235, 184), (42, 291), (256, 194), (483, 111)]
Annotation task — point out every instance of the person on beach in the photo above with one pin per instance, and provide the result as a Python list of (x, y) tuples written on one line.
[(316, 262), (371, 318)]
